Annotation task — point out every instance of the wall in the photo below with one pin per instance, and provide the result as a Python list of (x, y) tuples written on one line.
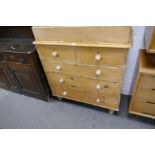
[(132, 61)]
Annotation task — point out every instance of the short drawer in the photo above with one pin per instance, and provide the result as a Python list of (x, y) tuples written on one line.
[(101, 73), (56, 53), (100, 90), (59, 67), (144, 107), (101, 56)]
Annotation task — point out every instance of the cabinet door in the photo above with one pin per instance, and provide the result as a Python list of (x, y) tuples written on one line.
[(25, 78), (4, 77)]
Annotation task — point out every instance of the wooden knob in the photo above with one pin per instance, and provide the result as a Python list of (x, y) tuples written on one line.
[(61, 80), (64, 93), (97, 100), (98, 86), (98, 57), (55, 54), (58, 68), (98, 72)]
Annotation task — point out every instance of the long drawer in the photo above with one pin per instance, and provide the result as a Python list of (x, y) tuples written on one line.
[(147, 82), (147, 95), (88, 71), (99, 92), (146, 88), (145, 107)]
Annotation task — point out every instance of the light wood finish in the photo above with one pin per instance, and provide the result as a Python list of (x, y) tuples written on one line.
[(150, 39), (63, 53), (89, 85), (106, 73), (143, 100), (88, 71), (84, 64), (105, 36), (108, 56), (147, 63)]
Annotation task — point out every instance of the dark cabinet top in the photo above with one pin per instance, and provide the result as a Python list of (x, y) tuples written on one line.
[(16, 45)]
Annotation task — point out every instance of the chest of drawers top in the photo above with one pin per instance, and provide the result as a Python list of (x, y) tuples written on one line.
[(98, 36)]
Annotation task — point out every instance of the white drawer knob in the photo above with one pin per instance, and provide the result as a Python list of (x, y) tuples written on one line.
[(98, 57), (55, 54), (58, 68), (98, 86), (98, 72), (64, 93), (61, 80), (97, 100)]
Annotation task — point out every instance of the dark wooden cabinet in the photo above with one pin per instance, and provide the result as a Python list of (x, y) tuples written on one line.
[(21, 70), (4, 77)]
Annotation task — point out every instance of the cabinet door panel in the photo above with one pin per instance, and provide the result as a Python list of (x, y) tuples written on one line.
[(26, 78), (4, 80)]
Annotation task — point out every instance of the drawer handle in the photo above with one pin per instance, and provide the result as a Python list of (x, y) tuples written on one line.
[(13, 48), (97, 100), (64, 93), (55, 54), (98, 72), (58, 68), (98, 57), (98, 86), (153, 89), (61, 80)]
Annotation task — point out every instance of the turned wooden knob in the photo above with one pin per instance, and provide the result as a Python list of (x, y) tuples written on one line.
[(55, 54), (61, 80), (98, 72), (98, 86), (97, 100), (58, 68), (98, 57), (64, 93)]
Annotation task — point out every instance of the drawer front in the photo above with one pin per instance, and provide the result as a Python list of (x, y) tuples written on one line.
[(56, 53), (83, 96), (144, 107), (147, 95), (147, 82), (58, 67), (14, 58), (100, 92), (101, 56), (146, 88), (95, 72), (101, 73), (91, 85)]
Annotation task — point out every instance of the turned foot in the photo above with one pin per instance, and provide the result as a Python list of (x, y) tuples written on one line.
[(111, 111), (59, 98), (49, 99)]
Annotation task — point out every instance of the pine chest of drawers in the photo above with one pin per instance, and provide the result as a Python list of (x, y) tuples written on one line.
[(150, 39), (85, 64), (143, 100)]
